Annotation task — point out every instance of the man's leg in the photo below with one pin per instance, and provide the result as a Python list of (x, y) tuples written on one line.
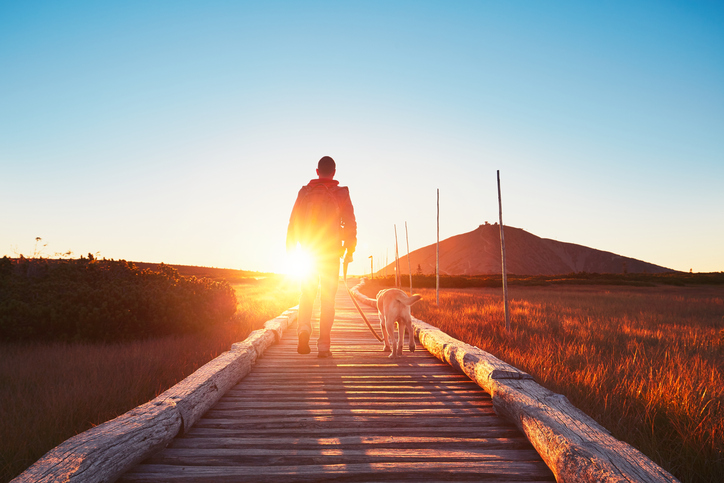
[(329, 275), (304, 317)]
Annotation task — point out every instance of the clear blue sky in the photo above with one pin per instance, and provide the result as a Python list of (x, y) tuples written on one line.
[(181, 131)]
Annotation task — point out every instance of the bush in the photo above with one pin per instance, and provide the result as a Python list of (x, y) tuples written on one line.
[(86, 299)]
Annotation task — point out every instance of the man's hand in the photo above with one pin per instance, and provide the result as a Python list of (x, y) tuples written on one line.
[(348, 258)]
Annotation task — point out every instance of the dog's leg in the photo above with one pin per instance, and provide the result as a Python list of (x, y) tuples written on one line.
[(383, 329), (401, 332), (390, 324), (411, 335)]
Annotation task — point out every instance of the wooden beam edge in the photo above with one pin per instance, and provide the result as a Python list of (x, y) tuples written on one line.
[(573, 445), (105, 452)]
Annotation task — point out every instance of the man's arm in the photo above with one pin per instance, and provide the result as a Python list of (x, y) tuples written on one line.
[(349, 223), (292, 230)]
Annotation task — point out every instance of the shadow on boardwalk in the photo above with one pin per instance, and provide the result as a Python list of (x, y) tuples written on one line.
[(358, 416)]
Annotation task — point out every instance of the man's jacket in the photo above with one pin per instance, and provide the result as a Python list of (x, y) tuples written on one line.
[(348, 224)]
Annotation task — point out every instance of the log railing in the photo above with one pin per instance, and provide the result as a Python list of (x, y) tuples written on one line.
[(574, 446), (105, 452)]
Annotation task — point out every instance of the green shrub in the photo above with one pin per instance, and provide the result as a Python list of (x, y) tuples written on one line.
[(86, 299)]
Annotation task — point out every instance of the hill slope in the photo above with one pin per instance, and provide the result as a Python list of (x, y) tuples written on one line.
[(478, 253)]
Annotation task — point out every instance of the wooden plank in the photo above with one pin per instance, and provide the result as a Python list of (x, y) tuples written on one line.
[(311, 394), (385, 471), (502, 430), (373, 377), (333, 455), (351, 442), (366, 411), (345, 420), (230, 404), (382, 395), (320, 386), (333, 386)]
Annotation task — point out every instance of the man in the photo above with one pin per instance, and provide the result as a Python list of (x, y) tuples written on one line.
[(323, 224)]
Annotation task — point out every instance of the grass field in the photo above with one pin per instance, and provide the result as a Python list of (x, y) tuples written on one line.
[(52, 391), (645, 362)]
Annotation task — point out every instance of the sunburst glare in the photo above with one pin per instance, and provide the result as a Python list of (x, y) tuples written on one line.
[(298, 264)]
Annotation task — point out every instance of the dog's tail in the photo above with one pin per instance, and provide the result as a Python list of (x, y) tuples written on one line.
[(410, 300)]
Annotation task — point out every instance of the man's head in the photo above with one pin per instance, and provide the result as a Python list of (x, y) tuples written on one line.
[(326, 167)]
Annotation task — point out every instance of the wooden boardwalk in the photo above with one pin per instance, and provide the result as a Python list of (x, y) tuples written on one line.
[(358, 416)]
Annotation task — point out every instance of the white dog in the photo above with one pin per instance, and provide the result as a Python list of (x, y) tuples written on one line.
[(393, 305)]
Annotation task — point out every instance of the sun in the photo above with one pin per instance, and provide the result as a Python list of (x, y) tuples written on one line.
[(299, 264)]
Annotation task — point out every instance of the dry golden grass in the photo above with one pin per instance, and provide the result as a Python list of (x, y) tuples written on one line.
[(52, 391), (646, 363)]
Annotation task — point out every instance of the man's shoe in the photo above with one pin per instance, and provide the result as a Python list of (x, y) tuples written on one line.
[(303, 347), (324, 354)]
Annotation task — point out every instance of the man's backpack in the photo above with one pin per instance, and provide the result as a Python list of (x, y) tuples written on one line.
[(319, 219)]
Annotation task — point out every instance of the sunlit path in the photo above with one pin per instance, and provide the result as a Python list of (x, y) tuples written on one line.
[(358, 416)]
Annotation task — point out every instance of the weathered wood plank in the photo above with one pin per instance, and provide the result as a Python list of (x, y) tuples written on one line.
[(310, 394), (492, 430), (346, 411), (334, 455), (454, 376), (360, 396), (342, 404), (351, 442), (363, 385), (393, 418), (375, 424), (319, 389), (395, 471)]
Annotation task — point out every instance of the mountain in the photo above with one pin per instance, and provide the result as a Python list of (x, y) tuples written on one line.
[(478, 253)]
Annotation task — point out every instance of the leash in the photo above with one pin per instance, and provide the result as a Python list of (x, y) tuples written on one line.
[(357, 305)]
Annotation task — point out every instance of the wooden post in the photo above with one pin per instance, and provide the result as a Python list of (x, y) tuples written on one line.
[(437, 253), (398, 275), (502, 255), (372, 268), (409, 264)]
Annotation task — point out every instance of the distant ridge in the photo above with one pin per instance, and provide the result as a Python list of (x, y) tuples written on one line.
[(229, 274), (478, 253)]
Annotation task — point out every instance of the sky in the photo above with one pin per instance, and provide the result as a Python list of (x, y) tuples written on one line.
[(181, 131)]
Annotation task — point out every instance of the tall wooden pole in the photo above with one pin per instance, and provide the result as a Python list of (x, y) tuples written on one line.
[(398, 275), (409, 264), (372, 268), (437, 253), (502, 255)]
